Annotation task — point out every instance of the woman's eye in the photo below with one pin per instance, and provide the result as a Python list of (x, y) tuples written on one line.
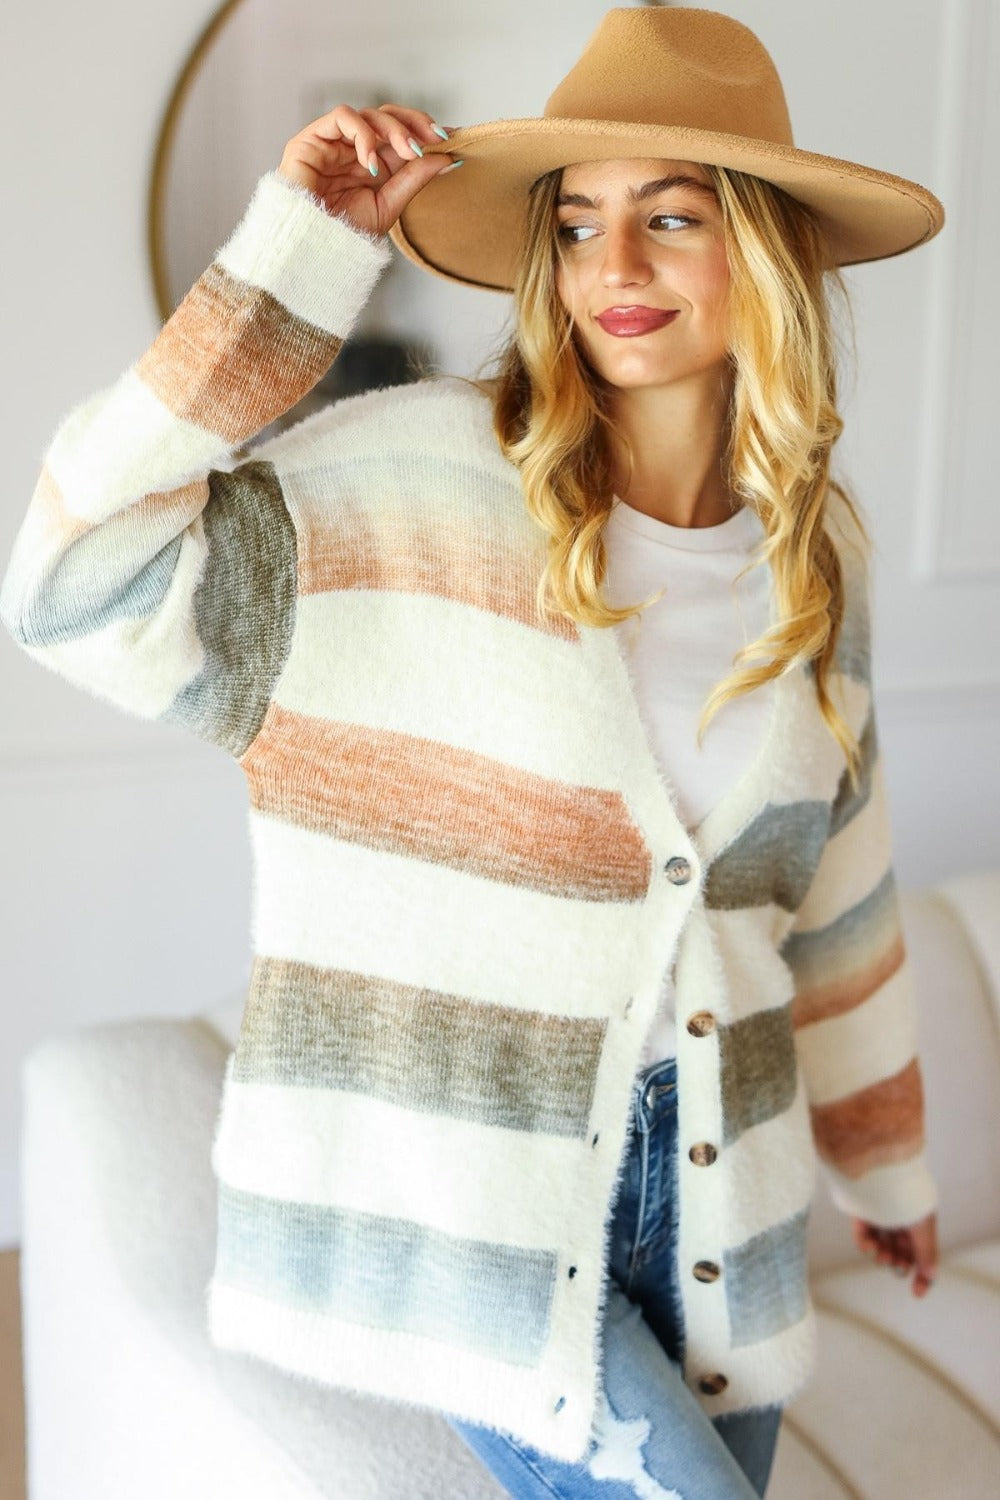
[(570, 231)]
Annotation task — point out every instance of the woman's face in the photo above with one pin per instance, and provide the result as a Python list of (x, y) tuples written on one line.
[(632, 241)]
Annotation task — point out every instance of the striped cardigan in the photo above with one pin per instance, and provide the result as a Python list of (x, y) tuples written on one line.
[(470, 876)]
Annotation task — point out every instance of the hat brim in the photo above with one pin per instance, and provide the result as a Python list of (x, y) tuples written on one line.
[(466, 225)]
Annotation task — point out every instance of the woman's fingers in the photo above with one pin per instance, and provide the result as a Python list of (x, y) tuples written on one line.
[(366, 164), (371, 131)]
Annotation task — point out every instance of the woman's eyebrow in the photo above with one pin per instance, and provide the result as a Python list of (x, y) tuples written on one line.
[(639, 195)]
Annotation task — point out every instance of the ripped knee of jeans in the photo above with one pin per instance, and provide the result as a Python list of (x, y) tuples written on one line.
[(616, 1453)]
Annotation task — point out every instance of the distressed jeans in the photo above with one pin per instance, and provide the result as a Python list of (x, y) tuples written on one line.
[(652, 1439)]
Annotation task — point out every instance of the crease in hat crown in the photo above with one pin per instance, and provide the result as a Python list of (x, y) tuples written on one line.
[(664, 82), (636, 68)]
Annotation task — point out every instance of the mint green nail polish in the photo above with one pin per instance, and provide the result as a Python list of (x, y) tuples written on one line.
[(451, 167), (414, 145), (373, 164), (441, 132)]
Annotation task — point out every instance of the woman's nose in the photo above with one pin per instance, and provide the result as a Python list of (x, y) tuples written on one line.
[(625, 260)]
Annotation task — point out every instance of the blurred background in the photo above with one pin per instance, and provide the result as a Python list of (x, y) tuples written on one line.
[(133, 136)]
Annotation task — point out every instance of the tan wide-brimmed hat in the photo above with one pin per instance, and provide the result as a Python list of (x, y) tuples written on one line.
[(653, 81)]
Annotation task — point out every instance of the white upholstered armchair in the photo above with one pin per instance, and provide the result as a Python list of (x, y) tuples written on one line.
[(126, 1397)]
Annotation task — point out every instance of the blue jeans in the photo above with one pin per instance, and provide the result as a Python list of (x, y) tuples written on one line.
[(652, 1438)]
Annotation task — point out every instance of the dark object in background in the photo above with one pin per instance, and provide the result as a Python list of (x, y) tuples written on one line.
[(363, 364)]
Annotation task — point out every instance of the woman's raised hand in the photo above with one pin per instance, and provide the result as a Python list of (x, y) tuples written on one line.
[(334, 157)]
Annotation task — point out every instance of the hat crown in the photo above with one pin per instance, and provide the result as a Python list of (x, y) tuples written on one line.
[(674, 66)]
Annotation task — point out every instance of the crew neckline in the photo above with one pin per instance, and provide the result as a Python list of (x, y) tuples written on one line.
[(736, 532)]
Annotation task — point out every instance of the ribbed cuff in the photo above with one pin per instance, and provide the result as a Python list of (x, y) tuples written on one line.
[(318, 265)]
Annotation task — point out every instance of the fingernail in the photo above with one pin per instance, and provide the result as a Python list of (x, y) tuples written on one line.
[(414, 145), (451, 167), (373, 164), (440, 131)]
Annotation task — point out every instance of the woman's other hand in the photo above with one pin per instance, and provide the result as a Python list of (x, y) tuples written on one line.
[(913, 1247), (334, 156)]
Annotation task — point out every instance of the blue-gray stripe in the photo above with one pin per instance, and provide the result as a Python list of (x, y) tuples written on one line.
[(388, 1273), (766, 1281), (847, 803), (96, 581), (847, 942)]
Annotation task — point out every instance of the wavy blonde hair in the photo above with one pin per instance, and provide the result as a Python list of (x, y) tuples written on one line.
[(552, 420)]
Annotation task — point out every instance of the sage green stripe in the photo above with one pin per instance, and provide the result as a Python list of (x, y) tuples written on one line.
[(244, 607), (418, 1048), (772, 860), (757, 1069), (766, 1281), (387, 1273)]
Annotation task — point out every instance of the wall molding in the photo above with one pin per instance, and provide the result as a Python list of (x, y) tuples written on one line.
[(957, 535)]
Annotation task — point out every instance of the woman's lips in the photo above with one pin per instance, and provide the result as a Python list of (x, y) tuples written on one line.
[(629, 325)]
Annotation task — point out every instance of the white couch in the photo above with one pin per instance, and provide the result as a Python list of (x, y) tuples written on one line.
[(127, 1400)]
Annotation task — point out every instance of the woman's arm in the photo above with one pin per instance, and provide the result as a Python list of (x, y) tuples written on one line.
[(151, 569), (854, 1009)]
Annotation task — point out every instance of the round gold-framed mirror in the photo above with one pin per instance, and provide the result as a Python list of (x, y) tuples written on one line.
[(259, 71), (156, 206)]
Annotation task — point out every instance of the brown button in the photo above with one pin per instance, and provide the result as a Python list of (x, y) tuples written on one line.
[(705, 1270), (701, 1023), (703, 1154), (712, 1384)]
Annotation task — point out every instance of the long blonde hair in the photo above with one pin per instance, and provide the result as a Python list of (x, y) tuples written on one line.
[(552, 421)]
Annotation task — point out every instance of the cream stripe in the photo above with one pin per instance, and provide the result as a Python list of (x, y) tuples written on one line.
[(758, 1196), (896, 1194), (854, 861), (312, 262), (329, 1147), (765, 1371), (396, 1365), (376, 910), (125, 443), (431, 680), (837, 1052)]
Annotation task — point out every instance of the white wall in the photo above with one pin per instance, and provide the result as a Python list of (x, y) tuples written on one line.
[(124, 879)]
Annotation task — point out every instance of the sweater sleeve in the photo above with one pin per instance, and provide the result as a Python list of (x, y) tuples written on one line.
[(854, 1009), (152, 568)]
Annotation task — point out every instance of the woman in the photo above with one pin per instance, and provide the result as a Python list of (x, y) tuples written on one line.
[(456, 1162)]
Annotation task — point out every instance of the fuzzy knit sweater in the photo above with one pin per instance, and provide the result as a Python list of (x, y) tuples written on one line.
[(470, 876)]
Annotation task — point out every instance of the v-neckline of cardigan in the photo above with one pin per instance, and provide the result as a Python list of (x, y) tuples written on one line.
[(745, 797)]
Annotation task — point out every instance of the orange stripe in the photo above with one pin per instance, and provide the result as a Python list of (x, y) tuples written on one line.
[(843, 994), (352, 555), (55, 528), (873, 1127), (223, 328), (427, 800)]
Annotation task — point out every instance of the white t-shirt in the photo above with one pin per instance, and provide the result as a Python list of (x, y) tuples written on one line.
[(679, 648)]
